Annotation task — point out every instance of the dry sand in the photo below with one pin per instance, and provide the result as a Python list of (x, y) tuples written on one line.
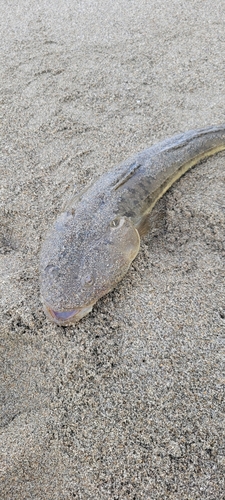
[(128, 403)]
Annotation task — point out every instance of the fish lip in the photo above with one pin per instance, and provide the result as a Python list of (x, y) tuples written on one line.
[(64, 315), (67, 317)]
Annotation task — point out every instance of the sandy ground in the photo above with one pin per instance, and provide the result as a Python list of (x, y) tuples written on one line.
[(128, 404)]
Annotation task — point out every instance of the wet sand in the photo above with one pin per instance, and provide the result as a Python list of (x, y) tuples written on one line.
[(128, 404)]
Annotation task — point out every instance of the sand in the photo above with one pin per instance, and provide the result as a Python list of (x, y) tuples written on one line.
[(128, 404)]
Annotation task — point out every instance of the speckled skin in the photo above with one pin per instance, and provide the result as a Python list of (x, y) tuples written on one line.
[(92, 244)]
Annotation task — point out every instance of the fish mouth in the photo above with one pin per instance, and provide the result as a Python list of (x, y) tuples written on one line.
[(67, 317)]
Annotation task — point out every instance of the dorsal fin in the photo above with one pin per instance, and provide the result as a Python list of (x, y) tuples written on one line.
[(132, 169)]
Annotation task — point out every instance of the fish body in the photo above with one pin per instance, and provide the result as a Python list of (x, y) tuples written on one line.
[(93, 242)]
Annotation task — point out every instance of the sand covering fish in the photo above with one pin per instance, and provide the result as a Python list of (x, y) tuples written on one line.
[(94, 241)]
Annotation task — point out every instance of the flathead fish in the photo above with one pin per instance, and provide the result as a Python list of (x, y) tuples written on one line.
[(93, 242)]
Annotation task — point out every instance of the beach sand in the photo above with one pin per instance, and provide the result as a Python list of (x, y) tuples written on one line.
[(128, 403)]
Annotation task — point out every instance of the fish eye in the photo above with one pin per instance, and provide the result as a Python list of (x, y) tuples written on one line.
[(115, 222), (88, 280)]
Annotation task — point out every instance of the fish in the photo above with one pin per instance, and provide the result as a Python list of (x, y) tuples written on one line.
[(93, 242)]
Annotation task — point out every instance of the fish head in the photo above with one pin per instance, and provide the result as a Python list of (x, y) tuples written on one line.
[(82, 261)]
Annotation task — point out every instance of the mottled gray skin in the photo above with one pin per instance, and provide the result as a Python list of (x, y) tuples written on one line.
[(92, 244)]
